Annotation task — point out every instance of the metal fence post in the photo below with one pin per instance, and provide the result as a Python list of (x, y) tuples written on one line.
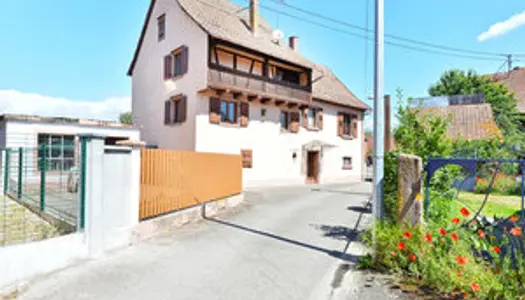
[(43, 169), (82, 188), (20, 172), (6, 171)]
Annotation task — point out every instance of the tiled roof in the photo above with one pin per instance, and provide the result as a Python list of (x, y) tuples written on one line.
[(515, 80), (471, 122), (224, 20)]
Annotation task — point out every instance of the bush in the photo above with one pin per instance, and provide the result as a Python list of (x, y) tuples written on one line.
[(503, 185), (462, 259)]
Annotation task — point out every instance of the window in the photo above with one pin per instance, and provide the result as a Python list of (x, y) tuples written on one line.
[(161, 27), (176, 63), (175, 110), (285, 120), (57, 151), (347, 125), (347, 163), (247, 159), (228, 112), (312, 118)]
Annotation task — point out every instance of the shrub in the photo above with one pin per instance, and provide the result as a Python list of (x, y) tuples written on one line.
[(503, 185)]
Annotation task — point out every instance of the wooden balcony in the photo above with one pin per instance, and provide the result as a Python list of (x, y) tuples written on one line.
[(257, 86)]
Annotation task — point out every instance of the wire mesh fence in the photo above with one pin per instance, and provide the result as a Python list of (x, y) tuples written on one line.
[(40, 188)]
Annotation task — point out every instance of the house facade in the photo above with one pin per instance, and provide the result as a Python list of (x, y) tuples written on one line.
[(208, 76)]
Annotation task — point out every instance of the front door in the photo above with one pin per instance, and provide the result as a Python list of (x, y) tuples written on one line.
[(312, 174)]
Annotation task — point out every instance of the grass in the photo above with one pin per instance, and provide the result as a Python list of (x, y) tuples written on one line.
[(497, 205)]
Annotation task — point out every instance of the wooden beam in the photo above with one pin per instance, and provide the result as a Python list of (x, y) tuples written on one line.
[(279, 102), (253, 98), (220, 92), (266, 100), (236, 95), (303, 106), (292, 104)]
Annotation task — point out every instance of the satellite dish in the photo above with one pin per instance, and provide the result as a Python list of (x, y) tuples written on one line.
[(277, 35)]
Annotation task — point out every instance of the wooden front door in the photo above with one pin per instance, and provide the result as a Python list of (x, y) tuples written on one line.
[(312, 175)]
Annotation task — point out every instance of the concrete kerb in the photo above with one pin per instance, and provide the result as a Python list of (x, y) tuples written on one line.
[(160, 225)]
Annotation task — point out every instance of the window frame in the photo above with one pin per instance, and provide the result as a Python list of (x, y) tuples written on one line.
[(348, 124), (65, 163), (228, 104), (314, 125), (161, 28), (348, 166), (175, 110), (286, 113)]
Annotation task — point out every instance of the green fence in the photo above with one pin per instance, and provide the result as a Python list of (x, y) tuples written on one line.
[(42, 192)]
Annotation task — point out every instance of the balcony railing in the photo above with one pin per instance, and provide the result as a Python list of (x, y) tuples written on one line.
[(250, 84)]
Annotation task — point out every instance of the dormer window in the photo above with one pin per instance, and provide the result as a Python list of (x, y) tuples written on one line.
[(161, 27)]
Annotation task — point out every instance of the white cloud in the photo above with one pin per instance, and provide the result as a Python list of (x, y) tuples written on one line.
[(16, 102), (503, 27)]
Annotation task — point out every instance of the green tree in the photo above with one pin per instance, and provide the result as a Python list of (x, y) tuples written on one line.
[(125, 118)]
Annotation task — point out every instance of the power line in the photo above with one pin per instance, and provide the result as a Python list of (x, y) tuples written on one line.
[(396, 37)]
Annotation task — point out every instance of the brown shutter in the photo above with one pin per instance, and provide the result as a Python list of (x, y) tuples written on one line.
[(245, 114), (184, 59), (181, 110), (247, 159), (354, 126), (340, 121), (305, 117), (320, 119), (294, 121), (215, 110), (167, 112), (167, 66)]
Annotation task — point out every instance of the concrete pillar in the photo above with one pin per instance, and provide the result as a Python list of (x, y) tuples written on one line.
[(410, 188)]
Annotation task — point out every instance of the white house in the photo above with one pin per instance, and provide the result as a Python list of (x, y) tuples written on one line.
[(210, 76)]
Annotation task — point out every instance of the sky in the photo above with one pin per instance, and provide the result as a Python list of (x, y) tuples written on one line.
[(69, 58)]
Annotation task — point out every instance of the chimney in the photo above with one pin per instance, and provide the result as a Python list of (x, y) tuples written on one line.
[(254, 15), (294, 42)]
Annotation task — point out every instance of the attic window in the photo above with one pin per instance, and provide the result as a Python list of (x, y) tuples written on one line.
[(161, 27)]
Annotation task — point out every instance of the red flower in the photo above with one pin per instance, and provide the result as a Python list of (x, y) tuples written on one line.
[(407, 235), (401, 246), (428, 237), (475, 287), (465, 295), (516, 231), (443, 231), (462, 260), (454, 236), (497, 249), (459, 274), (455, 221), (412, 257), (481, 234), (465, 212), (513, 219)]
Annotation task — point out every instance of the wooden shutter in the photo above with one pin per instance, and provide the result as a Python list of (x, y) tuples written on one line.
[(182, 110), (184, 60), (340, 124), (305, 117), (247, 159), (215, 110), (294, 121), (167, 66), (320, 119), (245, 114), (354, 127), (167, 112)]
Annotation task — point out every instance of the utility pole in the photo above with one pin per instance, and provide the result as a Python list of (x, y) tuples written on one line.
[(379, 107), (509, 62)]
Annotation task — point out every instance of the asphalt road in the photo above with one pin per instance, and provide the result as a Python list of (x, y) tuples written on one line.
[(284, 243)]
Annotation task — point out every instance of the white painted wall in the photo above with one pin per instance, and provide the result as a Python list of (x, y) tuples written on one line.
[(273, 163), (150, 91)]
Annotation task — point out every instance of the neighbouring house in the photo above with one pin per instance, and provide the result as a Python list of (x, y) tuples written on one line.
[(210, 76), (515, 81), (59, 135)]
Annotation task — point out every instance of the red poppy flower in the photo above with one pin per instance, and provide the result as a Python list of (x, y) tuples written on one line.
[(443, 231), (465, 295), (481, 234), (407, 235), (462, 260), (455, 221), (428, 237), (459, 274), (401, 246), (454, 236), (513, 219), (412, 257), (497, 249), (516, 231), (475, 287), (465, 212)]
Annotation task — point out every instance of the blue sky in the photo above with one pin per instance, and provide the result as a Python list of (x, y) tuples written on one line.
[(58, 50)]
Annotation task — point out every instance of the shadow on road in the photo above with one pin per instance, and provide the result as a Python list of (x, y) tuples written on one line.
[(318, 189), (337, 254)]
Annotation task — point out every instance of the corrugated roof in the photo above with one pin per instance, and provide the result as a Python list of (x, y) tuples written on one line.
[(471, 122), (65, 121), (224, 20), (515, 80)]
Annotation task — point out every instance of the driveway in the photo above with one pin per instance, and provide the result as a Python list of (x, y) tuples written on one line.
[(284, 243)]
